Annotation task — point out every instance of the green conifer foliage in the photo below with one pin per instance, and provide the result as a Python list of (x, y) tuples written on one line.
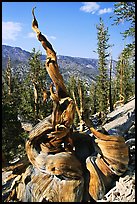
[(11, 127), (33, 107), (125, 83), (102, 78)]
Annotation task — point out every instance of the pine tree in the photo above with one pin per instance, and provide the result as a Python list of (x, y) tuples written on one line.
[(35, 66), (12, 133), (93, 98), (128, 81), (8, 75), (125, 11), (78, 90), (102, 78), (125, 87), (35, 104)]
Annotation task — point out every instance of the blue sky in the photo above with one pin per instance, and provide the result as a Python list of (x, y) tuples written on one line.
[(69, 26)]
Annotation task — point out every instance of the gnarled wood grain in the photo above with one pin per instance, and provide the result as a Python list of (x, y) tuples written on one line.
[(51, 61), (114, 150)]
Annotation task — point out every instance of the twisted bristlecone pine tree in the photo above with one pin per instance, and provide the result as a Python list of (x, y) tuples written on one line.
[(59, 165)]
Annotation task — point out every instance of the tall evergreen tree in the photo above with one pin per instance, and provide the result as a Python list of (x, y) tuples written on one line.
[(125, 76), (35, 104), (125, 86), (11, 126), (110, 86), (125, 11), (102, 78), (125, 81)]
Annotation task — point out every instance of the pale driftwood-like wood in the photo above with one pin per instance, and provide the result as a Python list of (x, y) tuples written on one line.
[(35, 186), (51, 61), (96, 184), (41, 128), (101, 177), (45, 95), (9, 76), (114, 150), (35, 96), (107, 174), (112, 160), (104, 137), (79, 111), (120, 102)]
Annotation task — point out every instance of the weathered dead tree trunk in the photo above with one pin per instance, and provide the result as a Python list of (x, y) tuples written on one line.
[(122, 99), (110, 86), (35, 98), (80, 111), (51, 61), (45, 95), (8, 74), (63, 165)]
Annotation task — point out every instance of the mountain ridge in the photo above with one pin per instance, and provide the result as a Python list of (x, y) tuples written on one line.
[(84, 68)]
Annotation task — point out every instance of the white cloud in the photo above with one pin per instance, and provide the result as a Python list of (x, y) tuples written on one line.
[(31, 35), (10, 30), (105, 10), (52, 37), (90, 7)]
